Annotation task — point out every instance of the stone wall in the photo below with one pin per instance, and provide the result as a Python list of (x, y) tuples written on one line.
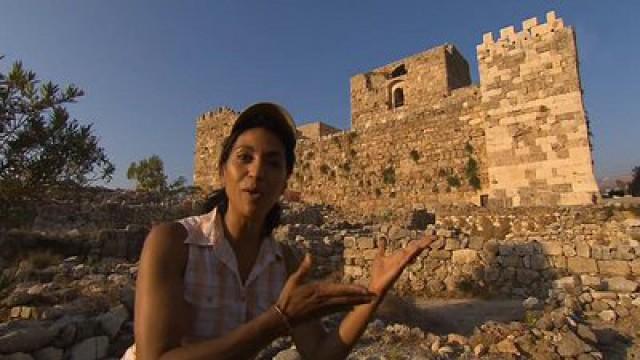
[(517, 253), (405, 163), (211, 129), (423, 135), (538, 146)]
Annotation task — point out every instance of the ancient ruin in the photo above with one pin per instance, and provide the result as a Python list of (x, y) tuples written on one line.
[(422, 133), (510, 280)]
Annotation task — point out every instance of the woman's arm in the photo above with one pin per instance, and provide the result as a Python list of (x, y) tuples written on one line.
[(311, 339), (162, 314)]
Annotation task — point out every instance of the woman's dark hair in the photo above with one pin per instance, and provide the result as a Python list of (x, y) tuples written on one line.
[(218, 198)]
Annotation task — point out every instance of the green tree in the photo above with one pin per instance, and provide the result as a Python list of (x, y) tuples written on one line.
[(634, 186), (40, 145), (148, 174)]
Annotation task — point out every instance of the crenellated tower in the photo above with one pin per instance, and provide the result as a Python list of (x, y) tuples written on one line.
[(537, 137)]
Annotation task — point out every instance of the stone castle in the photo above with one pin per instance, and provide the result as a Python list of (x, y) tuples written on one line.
[(422, 134)]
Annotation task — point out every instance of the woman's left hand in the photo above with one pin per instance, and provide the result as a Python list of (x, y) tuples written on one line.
[(385, 270)]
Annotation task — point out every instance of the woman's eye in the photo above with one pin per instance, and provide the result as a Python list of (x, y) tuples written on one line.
[(275, 163), (245, 158)]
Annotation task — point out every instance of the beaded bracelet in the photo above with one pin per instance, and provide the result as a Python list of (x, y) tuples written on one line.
[(285, 318)]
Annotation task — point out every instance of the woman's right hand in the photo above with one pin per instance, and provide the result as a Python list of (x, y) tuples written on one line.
[(301, 302)]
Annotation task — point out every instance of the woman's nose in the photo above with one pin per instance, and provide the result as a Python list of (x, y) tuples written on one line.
[(257, 168)]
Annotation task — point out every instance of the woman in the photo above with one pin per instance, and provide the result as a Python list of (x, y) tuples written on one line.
[(217, 286)]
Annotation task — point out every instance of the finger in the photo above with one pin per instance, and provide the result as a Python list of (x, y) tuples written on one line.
[(303, 270), (382, 244), (427, 240)]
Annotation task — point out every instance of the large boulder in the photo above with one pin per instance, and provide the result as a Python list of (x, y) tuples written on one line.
[(25, 340)]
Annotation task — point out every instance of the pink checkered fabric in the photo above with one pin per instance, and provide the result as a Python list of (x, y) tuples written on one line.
[(212, 283)]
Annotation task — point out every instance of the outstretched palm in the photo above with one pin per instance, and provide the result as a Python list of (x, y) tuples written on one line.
[(386, 269)]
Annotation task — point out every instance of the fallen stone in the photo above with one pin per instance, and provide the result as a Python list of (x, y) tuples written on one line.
[(288, 354), (607, 315), (25, 340), (90, 349), (113, 320), (507, 346), (571, 345), (586, 334), (531, 303), (48, 353)]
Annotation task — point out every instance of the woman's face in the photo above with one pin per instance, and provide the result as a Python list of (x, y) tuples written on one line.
[(255, 174)]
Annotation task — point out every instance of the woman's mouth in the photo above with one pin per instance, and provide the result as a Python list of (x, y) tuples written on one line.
[(254, 194)]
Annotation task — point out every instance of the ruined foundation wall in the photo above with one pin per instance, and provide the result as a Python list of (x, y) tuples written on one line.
[(524, 252)]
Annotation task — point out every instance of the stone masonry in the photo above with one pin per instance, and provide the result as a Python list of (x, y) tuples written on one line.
[(422, 134)]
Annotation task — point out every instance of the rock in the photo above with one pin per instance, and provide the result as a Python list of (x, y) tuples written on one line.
[(456, 339), (288, 354), (48, 353), (113, 320), (464, 256), (531, 303), (614, 267), (551, 248), (580, 265), (25, 340), (90, 349), (571, 345), (569, 283), (586, 334), (479, 350), (607, 315), (620, 284), (507, 346), (445, 350)]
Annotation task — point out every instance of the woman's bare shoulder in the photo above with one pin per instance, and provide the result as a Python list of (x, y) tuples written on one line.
[(165, 246)]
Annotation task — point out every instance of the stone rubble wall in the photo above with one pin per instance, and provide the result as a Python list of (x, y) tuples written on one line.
[(516, 254)]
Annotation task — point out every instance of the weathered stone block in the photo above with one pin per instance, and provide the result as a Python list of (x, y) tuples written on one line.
[(620, 284), (464, 256), (366, 243), (452, 244), (440, 254), (614, 267), (349, 241), (569, 250), (580, 265), (551, 248), (583, 250)]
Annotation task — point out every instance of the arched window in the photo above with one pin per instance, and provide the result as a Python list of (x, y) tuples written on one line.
[(399, 71), (398, 97)]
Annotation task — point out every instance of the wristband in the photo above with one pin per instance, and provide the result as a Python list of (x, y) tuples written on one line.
[(285, 318)]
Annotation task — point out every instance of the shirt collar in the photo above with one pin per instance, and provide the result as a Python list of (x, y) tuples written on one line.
[(213, 232)]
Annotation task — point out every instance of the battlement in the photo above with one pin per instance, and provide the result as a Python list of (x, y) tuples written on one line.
[(531, 30), (217, 112)]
